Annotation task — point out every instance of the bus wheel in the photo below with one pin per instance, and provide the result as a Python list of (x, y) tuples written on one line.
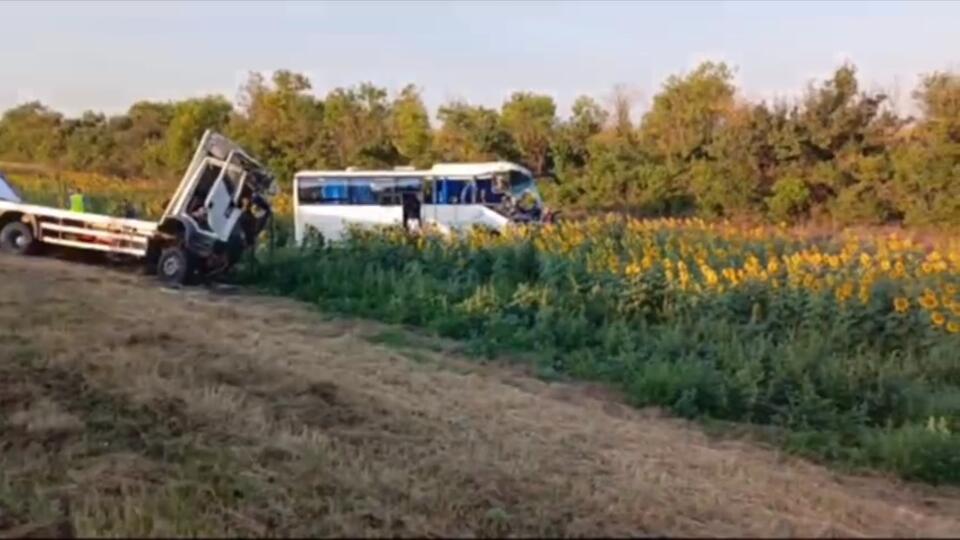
[(173, 266), (17, 238)]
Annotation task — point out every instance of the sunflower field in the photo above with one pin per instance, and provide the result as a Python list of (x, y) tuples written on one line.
[(844, 348)]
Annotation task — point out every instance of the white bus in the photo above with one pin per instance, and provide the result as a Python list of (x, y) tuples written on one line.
[(449, 196)]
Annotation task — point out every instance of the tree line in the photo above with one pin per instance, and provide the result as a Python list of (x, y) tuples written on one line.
[(838, 153)]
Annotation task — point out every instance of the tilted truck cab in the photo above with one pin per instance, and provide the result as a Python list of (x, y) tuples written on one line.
[(215, 214)]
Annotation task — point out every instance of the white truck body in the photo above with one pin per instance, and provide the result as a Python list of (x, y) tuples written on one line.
[(203, 226), (86, 231)]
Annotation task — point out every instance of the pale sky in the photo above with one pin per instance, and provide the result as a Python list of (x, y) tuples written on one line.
[(106, 55)]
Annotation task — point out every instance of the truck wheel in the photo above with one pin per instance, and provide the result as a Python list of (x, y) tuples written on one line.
[(17, 238), (173, 266)]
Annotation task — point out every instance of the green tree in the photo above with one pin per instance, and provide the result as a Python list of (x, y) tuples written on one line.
[(573, 136), (138, 139), (843, 140), (570, 149), (790, 198), (31, 133), (622, 108), (927, 160), (280, 122), (410, 127), (681, 132), (620, 176), (530, 119), (89, 142), (469, 133), (688, 113), (190, 119), (357, 127), (744, 161)]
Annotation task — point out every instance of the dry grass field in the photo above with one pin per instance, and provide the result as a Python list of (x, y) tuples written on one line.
[(127, 409)]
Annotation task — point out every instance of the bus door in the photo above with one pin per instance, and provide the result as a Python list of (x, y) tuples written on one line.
[(456, 194), (445, 198)]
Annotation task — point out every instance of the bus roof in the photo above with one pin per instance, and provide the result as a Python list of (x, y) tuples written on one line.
[(452, 169)]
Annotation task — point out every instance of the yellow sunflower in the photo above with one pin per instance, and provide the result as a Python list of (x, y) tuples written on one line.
[(901, 304), (928, 301), (937, 318)]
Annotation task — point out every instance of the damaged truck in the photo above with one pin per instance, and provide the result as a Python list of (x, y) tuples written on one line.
[(213, 217)]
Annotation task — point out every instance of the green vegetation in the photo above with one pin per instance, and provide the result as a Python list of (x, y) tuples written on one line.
[(846, 348), (838, 155)]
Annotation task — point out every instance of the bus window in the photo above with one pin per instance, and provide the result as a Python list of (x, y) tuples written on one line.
[(407, 185), (362, 193), (518, 179), (450, 191), (428, 191), (323, 191), (468, 195), (486, 194), (390, 192)]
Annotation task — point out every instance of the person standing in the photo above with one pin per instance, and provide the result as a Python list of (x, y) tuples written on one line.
[(411, 211), (129, 211), (76, 201)]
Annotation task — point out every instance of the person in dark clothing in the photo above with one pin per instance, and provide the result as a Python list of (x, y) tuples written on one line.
[(411, 209), (129, 211)]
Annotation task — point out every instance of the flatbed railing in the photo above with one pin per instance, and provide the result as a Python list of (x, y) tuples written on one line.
[(87, 231)]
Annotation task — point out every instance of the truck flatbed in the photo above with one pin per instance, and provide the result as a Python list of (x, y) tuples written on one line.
[(87, 231)]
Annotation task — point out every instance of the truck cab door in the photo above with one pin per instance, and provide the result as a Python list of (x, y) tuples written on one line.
[(223, 210)]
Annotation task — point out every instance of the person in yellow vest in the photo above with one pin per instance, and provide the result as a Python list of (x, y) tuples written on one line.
[(76, 201)]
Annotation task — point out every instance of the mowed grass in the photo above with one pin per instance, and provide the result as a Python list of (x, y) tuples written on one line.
[(138, 429)]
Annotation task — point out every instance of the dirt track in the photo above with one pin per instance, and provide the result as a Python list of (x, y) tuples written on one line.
[(126, 409)]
